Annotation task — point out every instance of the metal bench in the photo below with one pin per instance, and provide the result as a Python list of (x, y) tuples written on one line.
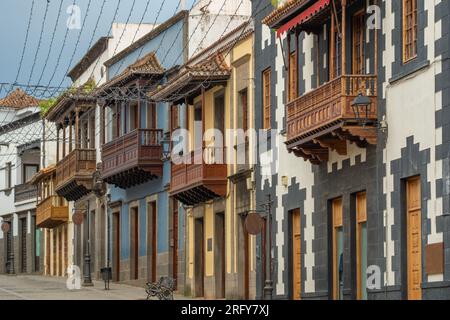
[(163, 289)]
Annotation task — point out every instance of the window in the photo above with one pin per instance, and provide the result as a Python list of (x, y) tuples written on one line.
[(8, 175), (336, 54), (29, 170), (175, 117), (151, 115), (198, 126), (266, 98), (293, 76), (358, 43), (409, 30), (243, 110), (133, 116)]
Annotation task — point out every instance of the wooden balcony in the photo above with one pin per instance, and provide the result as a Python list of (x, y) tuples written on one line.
[(201, 177), (52, 212), (133, 159), (25, 192), (74, 174), (324, 120)]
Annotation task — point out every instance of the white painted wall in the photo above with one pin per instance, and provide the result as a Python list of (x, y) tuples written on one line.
[(211, 19)]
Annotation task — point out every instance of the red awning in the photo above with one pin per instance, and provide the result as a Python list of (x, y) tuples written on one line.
[(304, 16)]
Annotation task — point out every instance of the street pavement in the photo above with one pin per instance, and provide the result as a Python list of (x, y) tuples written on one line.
[(30, 287)]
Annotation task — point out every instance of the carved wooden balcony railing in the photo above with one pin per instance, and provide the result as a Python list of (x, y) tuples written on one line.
[(74, 174), (52, 212), (201, 176), (133, 159), (25, 192), (323, 119)]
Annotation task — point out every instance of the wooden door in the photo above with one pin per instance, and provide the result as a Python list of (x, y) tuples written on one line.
[(338, 247), (23, 245), (134, 242), (116, 245), (66, 250), (361, 246), (9, 246), (54, 256), (47, 253), (199, 258), (219, 255), (296, 255), (60, 253), (358, 26), (153, 241), (414, 239), (175, 242)]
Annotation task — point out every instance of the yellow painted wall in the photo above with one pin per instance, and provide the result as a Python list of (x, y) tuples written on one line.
[(240, 51)]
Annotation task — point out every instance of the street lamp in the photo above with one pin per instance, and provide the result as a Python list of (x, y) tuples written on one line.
[(361, 108), (165, 142), (87, 282)]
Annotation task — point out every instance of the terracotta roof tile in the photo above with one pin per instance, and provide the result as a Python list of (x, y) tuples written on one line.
[(213, 68), (147, 65), (282, 10), (19, 99)]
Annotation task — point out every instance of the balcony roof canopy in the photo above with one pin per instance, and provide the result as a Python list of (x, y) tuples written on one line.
[(71, 98), (190, 79), (42, 174), (305, 14), (146, 67)]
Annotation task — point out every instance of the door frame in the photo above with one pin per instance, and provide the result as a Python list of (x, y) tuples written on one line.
[(291, 213), (152, 239), (116, 237), (404, 235), (199, 257), (333, 272), (219, 254), (134, 242)]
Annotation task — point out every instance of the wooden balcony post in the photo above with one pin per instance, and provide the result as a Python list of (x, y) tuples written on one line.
[(138, 115), (64, 140), (77, 129), (102, 125), (203, 117), (57, 143), (344, 37), (70, 134)]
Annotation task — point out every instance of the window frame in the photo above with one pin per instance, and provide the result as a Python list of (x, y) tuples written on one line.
[(293, 76), (266, 99), (409, 47)]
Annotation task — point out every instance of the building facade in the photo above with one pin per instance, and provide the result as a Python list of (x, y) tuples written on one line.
[(147, 226), (356, 93), (20, 139), (214, 92)]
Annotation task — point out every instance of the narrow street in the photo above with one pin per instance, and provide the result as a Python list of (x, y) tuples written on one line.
[(46, 288)]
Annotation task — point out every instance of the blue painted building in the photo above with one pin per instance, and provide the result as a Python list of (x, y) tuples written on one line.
[(145, 230)]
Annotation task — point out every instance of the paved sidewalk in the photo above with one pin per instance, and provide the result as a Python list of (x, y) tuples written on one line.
[(29, 287)]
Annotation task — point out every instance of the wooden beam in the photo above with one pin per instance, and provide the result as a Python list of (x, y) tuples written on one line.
[(368, 134), (335, 144)]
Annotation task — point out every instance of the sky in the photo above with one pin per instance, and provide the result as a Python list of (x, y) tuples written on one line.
[(14, 21)]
